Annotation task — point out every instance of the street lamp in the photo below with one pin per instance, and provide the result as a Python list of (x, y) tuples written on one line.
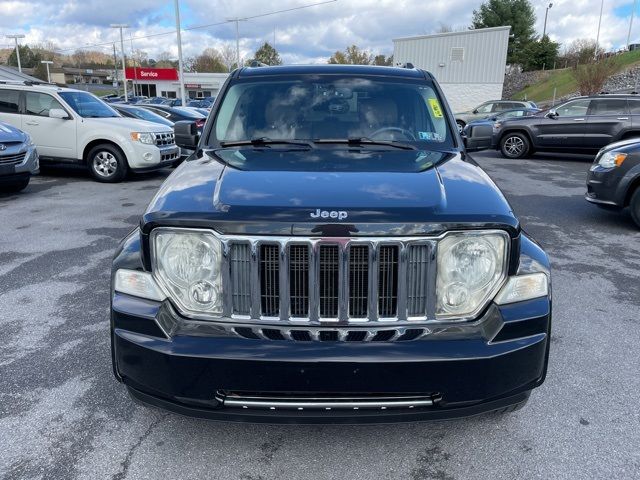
[(124, 75), (633, 11), (16, 37), (546, 13), (595, 55), (47, 63), (180, 69)]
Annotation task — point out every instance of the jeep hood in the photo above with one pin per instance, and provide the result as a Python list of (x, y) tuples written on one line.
[(273, 199)]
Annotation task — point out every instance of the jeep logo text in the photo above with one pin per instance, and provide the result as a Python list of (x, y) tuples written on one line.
[(339, 214)]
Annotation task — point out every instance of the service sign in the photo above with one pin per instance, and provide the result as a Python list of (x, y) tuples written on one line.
[(145, 73)]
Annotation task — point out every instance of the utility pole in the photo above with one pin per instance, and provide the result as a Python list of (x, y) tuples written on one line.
[(124, 66), (546, 14), (115, 67), (47, 63), (598, 35), (15, 38), (180, 67), (633, 11), (237, 21)]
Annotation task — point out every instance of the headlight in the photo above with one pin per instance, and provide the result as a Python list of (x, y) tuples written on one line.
[(612, 159), (187, 265), (471, 266), (144, 137), (28, 140)]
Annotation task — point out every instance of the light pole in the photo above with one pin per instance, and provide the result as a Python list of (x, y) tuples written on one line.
[(546, 13), (237, 22), (635, 3), (15, 38), (124, 75), (595, 55), (47, 63), (180, 70)]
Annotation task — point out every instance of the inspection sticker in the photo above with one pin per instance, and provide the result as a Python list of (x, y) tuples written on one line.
[(435, 107)]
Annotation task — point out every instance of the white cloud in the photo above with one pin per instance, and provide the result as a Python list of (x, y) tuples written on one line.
[(307, 35)]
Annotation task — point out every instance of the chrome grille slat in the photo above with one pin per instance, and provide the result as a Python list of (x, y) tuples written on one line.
[(240, 264), (299, 280), (270, 280), (417, 271), (358, 281), (387, 281), (12, 159), (329, 280)]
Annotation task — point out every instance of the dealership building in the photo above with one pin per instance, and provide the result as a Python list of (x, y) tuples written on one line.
[(165, 82), (469, 65)]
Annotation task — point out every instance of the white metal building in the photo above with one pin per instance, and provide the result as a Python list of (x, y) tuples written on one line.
[(469, 65)]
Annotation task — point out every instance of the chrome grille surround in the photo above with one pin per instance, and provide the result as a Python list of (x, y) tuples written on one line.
[(405, 316)]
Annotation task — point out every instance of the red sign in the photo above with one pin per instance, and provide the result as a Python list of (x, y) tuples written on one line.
[(145, 73)]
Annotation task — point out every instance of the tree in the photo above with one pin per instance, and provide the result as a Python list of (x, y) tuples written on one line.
[(267, 54), (164, 61), (28, 58), (228, 56), (591, 77), (208, 61), (540, 54), (352, 55), (516, 13), (580, 51), (382, 60)]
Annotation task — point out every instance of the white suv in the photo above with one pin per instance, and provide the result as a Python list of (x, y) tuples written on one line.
[(70, 125)]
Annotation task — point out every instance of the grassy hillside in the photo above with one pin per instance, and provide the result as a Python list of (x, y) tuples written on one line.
[(564, 83)]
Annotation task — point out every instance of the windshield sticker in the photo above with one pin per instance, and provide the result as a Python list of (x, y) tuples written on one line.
[(434, 136), (435, 107)]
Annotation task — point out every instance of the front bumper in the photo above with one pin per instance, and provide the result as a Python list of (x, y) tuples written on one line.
[(171, 362), (606, 187), (150, 157)]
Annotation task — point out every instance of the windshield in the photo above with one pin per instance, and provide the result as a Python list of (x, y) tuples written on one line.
[(87, 105), (321, 107)]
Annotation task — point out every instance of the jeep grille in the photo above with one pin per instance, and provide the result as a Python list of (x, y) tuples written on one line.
[(345, 281)]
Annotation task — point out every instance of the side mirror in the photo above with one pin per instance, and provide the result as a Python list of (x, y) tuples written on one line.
[(58, 113), (186, 134), (475, 111), (552, 113)]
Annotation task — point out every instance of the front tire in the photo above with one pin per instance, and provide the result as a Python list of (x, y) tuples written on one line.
[(16, 186), (515, 145), (107, 164), (634, 206)]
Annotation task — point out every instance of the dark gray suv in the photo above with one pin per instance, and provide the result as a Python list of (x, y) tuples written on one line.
[(18, 159), (581, 125)]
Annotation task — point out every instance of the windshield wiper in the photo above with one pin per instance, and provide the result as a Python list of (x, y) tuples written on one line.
[(366, 141), (265, 141)]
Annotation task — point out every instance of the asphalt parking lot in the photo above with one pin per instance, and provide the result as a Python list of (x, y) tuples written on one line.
[(63, 415)]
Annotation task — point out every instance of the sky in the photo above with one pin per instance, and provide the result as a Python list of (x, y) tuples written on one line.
[(307, 35)]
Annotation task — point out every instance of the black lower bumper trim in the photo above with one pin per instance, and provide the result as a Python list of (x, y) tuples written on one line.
[(226, 414)]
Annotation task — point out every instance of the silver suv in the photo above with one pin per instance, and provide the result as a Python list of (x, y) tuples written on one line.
[(18, 159), (486, 109)]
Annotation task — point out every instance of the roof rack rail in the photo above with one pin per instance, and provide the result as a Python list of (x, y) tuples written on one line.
[(28, 83), (255, 63)]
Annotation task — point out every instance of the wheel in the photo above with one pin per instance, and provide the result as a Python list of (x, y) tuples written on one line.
[(634, 206), (16, 186), (515, 145), (461, 125), (107, 163), (512, 408)]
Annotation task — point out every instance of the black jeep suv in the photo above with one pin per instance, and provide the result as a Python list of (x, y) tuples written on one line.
[(329, 254), (581, 125)]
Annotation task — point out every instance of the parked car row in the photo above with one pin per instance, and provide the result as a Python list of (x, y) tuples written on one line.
[(203, 103), (606, 124), (73, 126)]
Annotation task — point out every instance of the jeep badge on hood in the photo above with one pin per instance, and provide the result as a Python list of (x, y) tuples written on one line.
[(339, 214)]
